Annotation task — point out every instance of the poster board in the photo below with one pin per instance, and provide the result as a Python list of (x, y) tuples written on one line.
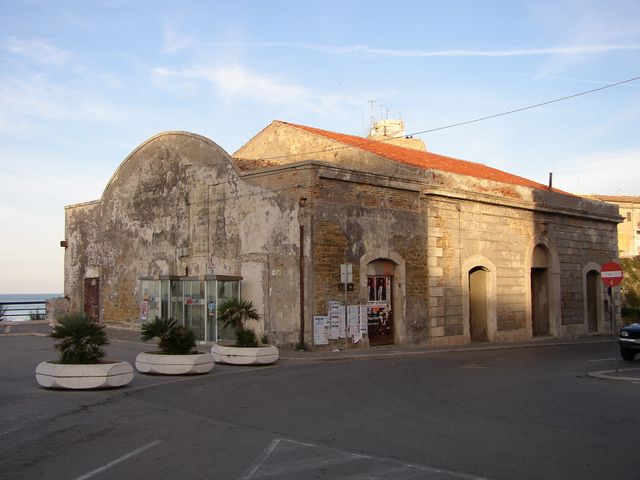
[(353, 323), (321, 325)]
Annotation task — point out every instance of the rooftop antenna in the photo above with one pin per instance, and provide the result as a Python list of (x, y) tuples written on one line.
[(384, 113), (371, 117)]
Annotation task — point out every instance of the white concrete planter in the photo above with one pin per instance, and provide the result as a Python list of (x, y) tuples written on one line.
[(85, 376), (158, 363), (245, 355)]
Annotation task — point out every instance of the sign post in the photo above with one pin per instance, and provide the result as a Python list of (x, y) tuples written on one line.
[(611, 274)]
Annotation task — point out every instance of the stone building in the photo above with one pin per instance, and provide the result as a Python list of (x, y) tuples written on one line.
[(629, 229), (436, 250)]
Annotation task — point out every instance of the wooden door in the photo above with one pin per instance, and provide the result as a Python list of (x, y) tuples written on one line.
[(92, 298), (593, 283)]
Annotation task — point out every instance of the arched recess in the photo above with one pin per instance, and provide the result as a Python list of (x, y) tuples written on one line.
[(542, 277), (593, 298), (398, 299), (479, 299)]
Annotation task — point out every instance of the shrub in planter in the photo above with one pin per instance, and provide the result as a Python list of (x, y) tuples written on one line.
[(174, 339), (81, 364), (234, 313), (81, 339), (249, 350), (177, 355)]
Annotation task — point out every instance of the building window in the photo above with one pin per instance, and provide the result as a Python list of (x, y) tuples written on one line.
[(629, 216)]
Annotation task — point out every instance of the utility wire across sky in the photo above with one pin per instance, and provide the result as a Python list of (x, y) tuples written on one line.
[(459, 124)]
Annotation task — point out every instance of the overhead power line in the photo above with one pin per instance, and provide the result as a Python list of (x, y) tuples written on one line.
[(459, 124), (522, 109)]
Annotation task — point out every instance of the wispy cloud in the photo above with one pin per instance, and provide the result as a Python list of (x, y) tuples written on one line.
[(26, 98), (235, 82), (386, 52), (37, 51), (174, 42), (570, 79)]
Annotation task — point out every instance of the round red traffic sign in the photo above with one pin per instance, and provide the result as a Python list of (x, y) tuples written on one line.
[(611, 274)]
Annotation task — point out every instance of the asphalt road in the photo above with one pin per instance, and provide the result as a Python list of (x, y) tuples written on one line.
[(523, 413)]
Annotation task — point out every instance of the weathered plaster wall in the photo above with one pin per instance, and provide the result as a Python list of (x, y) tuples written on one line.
[(151, 220), (176, 202), (81, 233)]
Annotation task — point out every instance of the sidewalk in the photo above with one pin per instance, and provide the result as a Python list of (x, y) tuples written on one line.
[(627, 371)]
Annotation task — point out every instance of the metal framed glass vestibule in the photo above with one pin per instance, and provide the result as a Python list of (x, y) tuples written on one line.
[(192, 301)]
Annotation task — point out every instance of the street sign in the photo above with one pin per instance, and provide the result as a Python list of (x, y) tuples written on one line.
[(346, 273), (611, 274)]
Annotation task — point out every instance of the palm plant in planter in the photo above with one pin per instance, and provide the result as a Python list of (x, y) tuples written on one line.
[(177, 355), (234, 313), (81, 340), (81, 364), (248, 349)]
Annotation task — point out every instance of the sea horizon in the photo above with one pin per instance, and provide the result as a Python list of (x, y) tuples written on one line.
[(27, 308)]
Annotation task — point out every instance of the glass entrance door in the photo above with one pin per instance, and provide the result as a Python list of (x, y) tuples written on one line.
[(194, 307)]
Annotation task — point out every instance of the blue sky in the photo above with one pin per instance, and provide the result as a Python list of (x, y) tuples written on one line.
[(82, 83)]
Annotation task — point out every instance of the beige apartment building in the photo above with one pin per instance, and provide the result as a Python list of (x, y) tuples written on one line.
[(629, 229), (422, 248)]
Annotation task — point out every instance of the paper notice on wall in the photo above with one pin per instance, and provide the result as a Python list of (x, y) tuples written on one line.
[(342, 326), (334, 320), (353, 320), (364, 319), (321, 330)]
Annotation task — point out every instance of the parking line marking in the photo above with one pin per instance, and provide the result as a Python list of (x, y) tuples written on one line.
[(290, 460), (248, 473), (115, 462)]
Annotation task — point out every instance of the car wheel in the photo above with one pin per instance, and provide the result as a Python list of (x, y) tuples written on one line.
[(627, 355)]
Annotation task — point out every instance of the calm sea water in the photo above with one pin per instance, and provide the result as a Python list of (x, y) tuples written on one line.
[(25, 297)]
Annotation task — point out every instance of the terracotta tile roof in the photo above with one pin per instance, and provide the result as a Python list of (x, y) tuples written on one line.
[(425, 160)]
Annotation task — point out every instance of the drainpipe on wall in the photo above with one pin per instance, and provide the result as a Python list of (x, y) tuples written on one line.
[(301, 345)]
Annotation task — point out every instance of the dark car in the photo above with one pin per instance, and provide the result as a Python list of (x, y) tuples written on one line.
[(629, 341)]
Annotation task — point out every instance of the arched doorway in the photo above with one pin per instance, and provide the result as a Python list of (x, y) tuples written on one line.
[(380, 286), (478, 305), (479, 299), (540, 301), (593, 295)]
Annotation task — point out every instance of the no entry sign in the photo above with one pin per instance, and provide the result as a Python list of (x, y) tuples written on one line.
[(611, 274)]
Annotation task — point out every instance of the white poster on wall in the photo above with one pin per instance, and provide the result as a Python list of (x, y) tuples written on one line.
[(353, 322), (342, 326), (364, 319), (335, 321), (321, 330)]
